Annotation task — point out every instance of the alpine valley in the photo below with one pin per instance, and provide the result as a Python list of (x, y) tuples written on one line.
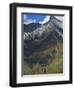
[(43, 47)]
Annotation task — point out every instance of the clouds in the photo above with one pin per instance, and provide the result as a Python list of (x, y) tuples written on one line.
[(46, 19), (35, 19), (27, 19), (24, 17)]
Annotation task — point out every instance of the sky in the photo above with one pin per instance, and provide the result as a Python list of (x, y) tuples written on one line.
[(33, 18)]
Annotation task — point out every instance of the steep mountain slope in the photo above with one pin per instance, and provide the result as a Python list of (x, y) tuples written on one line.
[(50, 32), (31, 27), (44, 44)]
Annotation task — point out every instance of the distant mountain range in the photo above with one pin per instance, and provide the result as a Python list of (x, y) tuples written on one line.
[(38, 36), (31, 27)]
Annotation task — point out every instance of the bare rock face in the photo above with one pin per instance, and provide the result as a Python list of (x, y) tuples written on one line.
[(52, 29)]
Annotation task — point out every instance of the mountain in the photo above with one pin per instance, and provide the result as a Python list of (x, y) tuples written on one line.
[(41, 39), (31, 27), (52, 29)]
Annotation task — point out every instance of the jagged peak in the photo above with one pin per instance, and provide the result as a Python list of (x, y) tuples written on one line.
[(54, 18)]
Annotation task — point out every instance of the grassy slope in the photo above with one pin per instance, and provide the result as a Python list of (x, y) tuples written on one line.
[(56, 66)]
